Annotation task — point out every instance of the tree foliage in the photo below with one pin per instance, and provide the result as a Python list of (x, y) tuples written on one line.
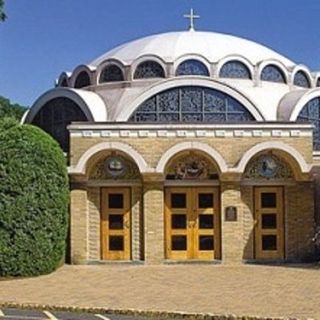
[(2, 14), (7, 109), (33, 201)]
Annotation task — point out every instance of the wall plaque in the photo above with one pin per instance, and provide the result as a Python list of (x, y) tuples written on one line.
[(231, 213)]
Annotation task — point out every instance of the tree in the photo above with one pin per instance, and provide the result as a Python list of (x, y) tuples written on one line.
[(7, 109), (33, 201), (2, 14)]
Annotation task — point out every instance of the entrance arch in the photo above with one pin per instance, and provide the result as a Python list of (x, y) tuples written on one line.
[(192, 215)]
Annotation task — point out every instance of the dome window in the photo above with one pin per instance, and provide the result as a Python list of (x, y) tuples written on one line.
[(235, 69), (82, 80), (192, 67), (149, 69), (301, 80), (64, 83), (311, 113), (318, 82), (191, 104), (111, 73), (273, 73), (54, 117)]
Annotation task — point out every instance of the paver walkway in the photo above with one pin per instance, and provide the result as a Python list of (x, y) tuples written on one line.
[(241, 290)]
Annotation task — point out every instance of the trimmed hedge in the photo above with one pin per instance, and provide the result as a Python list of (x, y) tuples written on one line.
[(33, 201)]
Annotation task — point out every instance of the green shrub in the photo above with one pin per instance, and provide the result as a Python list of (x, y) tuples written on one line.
[(33, 201)]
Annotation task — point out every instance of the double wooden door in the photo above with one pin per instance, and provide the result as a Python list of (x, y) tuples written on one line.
[(269, 224), (192, 223), (115, 223)]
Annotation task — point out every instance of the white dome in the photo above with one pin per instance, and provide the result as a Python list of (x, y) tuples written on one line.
[(210, 45)]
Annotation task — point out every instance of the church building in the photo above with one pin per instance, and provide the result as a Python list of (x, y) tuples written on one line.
[(188, 146)]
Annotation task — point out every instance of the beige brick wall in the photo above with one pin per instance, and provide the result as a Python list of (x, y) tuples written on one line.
[(153, 222), (248, 221), (299, 221), (79, 225), (231, 231), (94, 240), (137, 224), (152, 149)]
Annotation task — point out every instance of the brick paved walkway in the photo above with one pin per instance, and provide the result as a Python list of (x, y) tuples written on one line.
[(241, 290)]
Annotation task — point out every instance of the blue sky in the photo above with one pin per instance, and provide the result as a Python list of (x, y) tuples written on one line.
[(42, 38)]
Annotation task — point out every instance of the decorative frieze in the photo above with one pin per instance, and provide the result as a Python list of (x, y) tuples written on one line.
[(190, 132)]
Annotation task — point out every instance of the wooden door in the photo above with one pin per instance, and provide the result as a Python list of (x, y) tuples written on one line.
[(115, 224), (269, 225), (192, 223)]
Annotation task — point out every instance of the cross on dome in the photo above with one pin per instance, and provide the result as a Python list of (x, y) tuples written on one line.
[(191, 16)]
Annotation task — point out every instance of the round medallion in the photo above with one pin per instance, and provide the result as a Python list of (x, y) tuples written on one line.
[(115, 166), (268, 167)]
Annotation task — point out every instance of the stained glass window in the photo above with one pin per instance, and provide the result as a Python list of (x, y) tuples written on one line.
[(301, 80), (54, 117), (83, 80), (64, 83), (192, 67), (272, 73), (111, 73), (311, 113), (191, 104), (235, 69), (149, 69)]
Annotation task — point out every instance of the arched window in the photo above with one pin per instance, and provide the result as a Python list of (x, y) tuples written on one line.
[(64, 83), (54, 117), (301, 80), (235, 69), (149, 69), (82, 80), (191, 104), (192, 67), (318, 82), (311, 113), (111, 73), (272, 73)]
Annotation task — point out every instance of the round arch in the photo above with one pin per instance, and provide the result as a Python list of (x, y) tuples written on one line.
[(185, 146), (84, 99), (136, 157), (275, 63), (303, 100), (306, 72), (125, 113), (237, 58), (291, 154)]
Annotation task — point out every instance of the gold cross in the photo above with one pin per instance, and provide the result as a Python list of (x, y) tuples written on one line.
[(191, 16)]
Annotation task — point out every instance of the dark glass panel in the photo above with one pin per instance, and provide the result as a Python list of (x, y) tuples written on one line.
[(179, 243), (206, 243), (116, 243), (191, 104), (149, 69), (192, 67), (205, 200), (206, 221), (272, 73), (269, 221), (64, 83), (178, 221), (111, 73), (269, 242), (115, 200), (115, 221), (55, 116), (178, 200), (311, 113), (235, 69), (268, 200), (301, 80), (82, 80)]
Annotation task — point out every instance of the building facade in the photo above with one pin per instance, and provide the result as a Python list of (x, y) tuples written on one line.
[(188, 146)]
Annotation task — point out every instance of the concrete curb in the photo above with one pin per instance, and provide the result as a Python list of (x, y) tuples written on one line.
[(142, 313)]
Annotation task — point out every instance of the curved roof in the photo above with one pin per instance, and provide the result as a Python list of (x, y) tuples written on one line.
[(210, 45)]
